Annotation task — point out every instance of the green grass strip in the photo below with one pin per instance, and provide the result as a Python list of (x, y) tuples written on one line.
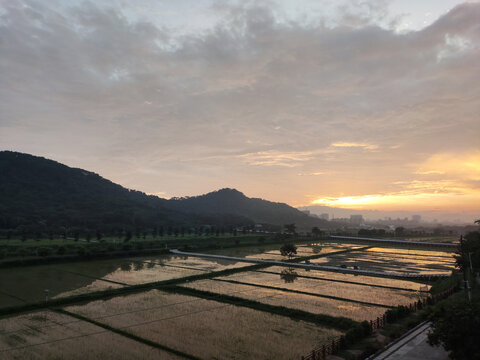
[(340, 281), (335, 322), (128, 335), (304, 293)]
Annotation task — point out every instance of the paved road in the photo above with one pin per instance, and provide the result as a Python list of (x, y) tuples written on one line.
[(313, 266), (413, 346)]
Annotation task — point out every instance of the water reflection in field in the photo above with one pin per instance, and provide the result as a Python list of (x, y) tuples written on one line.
[(313, 304), (350, 291), (27, 284)]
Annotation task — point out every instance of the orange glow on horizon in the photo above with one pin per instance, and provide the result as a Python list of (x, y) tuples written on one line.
[(421, 201), (444, 181)]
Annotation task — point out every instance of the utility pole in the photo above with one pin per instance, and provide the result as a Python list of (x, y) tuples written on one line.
[(467, 287)]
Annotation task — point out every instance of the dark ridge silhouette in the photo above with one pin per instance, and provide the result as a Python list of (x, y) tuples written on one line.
[(232, 201), (35, 191)]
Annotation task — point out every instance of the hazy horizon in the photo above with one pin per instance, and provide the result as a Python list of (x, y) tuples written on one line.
[(355, 105)]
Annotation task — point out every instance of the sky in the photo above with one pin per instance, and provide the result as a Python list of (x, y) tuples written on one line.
[(354, 104)]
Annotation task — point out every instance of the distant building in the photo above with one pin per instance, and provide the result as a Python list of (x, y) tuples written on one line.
[(324, 216), (416, 218), (356, 219)]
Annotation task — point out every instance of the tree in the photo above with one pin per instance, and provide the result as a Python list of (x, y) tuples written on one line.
[(288, 250), (290, 228), (469, 249), (316, 232), (399, 231), (457, 328)]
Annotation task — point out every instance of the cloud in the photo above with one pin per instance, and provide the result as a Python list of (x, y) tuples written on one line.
[(355, 145), (317, 173), (459, 166), (111, 92), (274, 158)]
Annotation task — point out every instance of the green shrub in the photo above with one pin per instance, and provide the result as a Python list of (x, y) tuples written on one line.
[(81, 251), (358, 332), (397, 313), (61, 250), (44, 251)]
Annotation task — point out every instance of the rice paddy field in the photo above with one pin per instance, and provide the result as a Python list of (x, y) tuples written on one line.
[(48, 335), (309, 303), (27, 284), (83, 277), (394, 260), (272, 252), (207, 328), (202, 323)]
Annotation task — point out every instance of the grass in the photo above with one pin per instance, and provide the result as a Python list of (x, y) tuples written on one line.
[(43, 250)]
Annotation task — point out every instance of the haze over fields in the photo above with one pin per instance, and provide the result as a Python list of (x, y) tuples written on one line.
[(359, 105)]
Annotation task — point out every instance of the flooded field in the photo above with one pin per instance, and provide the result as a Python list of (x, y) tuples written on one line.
[(88, 276), (416, 262), (48, 335), (28, 284), (364, 280), (313, 304), (272, 252), (207, 328), (354, 292), (431, 254)]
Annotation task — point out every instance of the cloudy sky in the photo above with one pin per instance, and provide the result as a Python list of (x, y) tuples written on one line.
[(362, 104)]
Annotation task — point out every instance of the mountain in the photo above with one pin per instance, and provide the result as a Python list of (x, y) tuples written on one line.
[(43, 194), (231, 201)]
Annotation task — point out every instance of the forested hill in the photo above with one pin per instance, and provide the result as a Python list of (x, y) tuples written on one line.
[(38, 192), (232, 201), (34, 190)]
